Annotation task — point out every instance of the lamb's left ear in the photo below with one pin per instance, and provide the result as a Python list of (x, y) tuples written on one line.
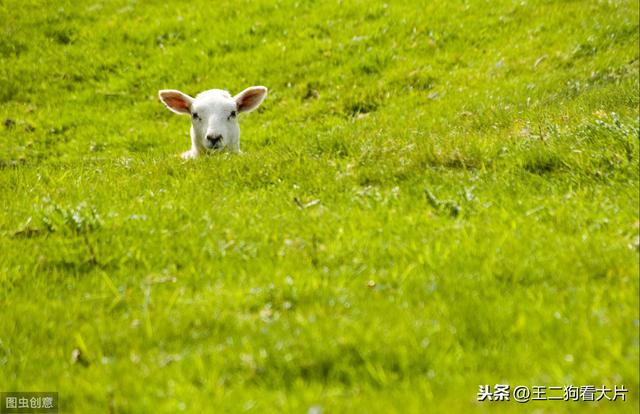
[(178, 102), (250, 98)]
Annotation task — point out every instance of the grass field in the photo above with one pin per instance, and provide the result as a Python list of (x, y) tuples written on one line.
[(435, 195)]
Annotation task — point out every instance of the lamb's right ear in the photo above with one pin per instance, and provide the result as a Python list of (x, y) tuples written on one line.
[(178, 102), (250, 98)]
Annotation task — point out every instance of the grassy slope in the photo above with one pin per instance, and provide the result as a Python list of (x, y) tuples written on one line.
[(191, 285)]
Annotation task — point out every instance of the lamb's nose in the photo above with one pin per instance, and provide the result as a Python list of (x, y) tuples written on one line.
[(214, 138)]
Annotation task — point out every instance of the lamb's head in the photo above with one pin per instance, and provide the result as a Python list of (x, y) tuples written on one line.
[(214, 116)]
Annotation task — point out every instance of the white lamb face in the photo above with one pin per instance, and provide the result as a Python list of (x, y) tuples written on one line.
[(214, 116), (214, 120)]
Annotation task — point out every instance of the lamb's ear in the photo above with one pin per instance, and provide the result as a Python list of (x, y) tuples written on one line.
[(178, 102), (250, 98)]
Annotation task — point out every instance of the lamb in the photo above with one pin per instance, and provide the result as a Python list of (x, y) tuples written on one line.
[(214, 116)]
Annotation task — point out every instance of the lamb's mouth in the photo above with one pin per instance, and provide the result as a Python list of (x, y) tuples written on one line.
[(214, 143)]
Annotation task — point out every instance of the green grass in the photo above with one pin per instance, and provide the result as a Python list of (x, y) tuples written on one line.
[(476, 166)]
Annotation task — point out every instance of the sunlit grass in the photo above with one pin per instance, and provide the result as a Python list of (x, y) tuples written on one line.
[(433, 197)]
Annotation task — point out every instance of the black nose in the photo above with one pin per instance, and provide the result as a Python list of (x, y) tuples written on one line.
[(214, 139)]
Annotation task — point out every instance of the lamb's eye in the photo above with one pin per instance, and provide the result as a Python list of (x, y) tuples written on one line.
[(232, 114), (195, 116)]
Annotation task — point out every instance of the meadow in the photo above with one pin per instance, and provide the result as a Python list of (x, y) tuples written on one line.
[(435, 195)]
